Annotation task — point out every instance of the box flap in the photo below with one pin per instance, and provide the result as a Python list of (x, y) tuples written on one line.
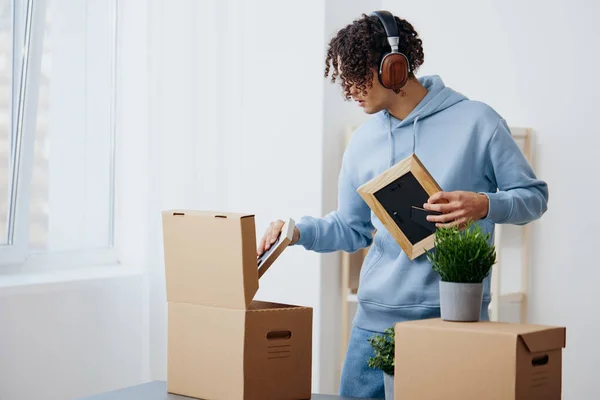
[(536, 337), (545, 340), (210, 258)]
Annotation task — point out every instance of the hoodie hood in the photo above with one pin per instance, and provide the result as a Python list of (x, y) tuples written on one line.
[(438, 98)]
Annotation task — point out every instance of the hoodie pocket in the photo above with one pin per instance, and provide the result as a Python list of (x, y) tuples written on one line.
[(392, 281), (374, 255)]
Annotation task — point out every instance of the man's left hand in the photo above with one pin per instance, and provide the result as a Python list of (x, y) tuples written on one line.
[(457, 208)]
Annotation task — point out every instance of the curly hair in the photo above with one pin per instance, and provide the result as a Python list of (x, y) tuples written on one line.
[(359, 47)]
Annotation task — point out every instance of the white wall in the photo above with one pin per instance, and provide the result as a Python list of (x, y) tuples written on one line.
[(536, 63), (69, 340)]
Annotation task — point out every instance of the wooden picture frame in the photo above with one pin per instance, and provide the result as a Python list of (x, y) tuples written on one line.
[(394, 195)]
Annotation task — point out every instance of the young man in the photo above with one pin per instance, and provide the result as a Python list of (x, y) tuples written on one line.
[(466, 146)]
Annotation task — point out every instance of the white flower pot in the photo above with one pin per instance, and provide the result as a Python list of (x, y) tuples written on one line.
[(461, 301), (388, 384)]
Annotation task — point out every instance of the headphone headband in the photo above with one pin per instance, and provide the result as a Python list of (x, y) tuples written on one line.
[(391, 28), (388, 21)]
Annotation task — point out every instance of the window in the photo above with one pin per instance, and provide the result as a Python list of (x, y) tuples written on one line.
[(57, 128), (6, 37)]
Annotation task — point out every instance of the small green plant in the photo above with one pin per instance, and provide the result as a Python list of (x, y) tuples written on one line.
[(383, 347), (462, 256)]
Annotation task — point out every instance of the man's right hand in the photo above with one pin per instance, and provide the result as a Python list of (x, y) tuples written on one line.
[(271, 236)]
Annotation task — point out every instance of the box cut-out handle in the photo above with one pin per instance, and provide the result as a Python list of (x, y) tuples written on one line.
[(279, 335), (541, 360), (220, 216), (178, 213)]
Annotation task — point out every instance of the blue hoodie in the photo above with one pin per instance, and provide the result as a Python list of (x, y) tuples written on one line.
[(465, 145)]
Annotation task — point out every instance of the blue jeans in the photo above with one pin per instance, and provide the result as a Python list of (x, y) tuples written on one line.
[(358, 379)]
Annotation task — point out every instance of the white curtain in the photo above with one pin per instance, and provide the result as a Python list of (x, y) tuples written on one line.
[(235, 124)]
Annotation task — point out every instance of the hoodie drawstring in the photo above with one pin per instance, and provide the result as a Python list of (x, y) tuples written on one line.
[(415, 134), (391, 140)]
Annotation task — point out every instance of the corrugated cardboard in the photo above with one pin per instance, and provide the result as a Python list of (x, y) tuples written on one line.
[(438, 359), (222, 344), (210, 258)]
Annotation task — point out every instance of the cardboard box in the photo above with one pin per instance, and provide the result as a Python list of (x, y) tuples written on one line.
[(437, 359), (222, 344)]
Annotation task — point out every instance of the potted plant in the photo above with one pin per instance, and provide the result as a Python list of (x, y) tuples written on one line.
[(463, 258), (383, 359)]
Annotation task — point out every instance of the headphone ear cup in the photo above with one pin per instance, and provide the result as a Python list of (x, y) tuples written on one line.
[(394, 71)]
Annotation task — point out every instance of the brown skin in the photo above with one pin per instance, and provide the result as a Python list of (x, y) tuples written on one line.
[(271, 236), (457, 207)]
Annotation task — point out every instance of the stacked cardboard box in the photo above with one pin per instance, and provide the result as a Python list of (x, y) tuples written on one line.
[(222, 344), (438, 359)]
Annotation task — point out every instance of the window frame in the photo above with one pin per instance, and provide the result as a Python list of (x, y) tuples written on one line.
[(15, 255)]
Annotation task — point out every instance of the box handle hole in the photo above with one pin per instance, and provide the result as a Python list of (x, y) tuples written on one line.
[(178, 213), (279, 335), (542, 360), (220, 216)]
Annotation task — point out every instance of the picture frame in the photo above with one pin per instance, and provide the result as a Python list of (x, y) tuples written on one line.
[(396, 197)]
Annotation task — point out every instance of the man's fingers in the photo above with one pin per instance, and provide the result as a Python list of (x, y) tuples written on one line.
[(435, 197), (261, 245), (274, 231), (440, 197), (440, 207), (268, 238), (273, 238), (444, 217), (265, 240)]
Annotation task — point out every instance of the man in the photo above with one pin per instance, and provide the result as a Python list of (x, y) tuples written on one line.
[(465, 145)]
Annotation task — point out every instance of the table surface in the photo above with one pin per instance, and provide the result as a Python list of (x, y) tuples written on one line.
[(157, 390)]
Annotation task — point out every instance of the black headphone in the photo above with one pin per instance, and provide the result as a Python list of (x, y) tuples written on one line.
[(394, 68)]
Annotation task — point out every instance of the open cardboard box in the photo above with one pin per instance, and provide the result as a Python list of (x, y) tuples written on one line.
[(438, 359), (223, 344)]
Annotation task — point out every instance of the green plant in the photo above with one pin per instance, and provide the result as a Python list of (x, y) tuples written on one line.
[(383, 347), (463, 256)]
